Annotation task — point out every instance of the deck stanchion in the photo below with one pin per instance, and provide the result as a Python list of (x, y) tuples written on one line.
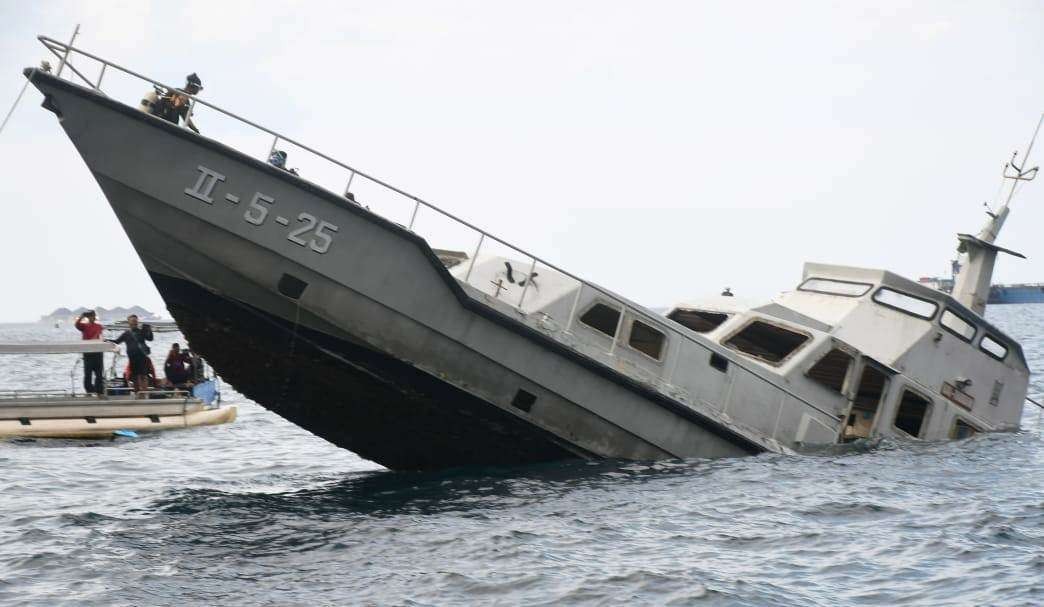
[(413, 217), (100, 76), (348, 188), (471, 266), (529, 281), (616, 334), (576, 302), (271, 150), (65, 57)]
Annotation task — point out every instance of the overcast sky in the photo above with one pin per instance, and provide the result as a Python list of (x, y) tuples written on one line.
[(661, 149)]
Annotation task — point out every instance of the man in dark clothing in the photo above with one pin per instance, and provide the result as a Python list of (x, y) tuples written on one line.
[(173, 106), (138, 351), (93, 362)]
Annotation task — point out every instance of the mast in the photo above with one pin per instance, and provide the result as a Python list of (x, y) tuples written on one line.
[(972, 285)]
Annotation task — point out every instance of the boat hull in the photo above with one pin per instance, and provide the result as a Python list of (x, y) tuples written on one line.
[(371, 343)]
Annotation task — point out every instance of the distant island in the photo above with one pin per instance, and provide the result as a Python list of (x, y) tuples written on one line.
[(104, 314)]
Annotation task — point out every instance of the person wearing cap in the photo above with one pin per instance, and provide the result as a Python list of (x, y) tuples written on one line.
[(93, 362), (278, 160), (174, 106)]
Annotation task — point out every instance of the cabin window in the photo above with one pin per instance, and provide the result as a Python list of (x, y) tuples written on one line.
[(962, 429), (646, 339), (602, 318), (957, 325), (993, 347), (830, 371), (700, 321), (767, 342), (835, 287), (914, 306), (913, 410)]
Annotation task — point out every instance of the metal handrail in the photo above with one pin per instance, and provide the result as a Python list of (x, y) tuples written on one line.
[(50, 43), (56, 45)]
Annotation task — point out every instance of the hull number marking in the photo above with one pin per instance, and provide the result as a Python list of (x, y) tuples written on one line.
[(314, 233)]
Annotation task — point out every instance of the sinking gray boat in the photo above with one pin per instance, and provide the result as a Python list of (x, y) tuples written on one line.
[(350, 324)]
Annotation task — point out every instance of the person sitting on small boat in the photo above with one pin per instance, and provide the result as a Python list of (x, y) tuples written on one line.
[(150, 373), (278, 160), (138, 351), (173, 106), (178, 367), (93, 362)]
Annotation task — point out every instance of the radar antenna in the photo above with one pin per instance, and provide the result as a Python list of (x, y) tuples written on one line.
[(972, 287)]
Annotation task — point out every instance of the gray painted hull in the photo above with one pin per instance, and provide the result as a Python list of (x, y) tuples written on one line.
[(383, 353)]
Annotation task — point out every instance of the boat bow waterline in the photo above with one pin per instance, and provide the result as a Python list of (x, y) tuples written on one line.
[(351, 326)]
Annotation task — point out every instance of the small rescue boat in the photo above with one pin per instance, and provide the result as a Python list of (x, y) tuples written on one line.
[(119, 411)]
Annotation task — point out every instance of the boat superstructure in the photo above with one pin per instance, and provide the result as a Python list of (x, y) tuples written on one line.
[(57, 413), (347, 322)]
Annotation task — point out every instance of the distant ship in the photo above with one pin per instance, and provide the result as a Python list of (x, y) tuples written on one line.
[(1018, 293)]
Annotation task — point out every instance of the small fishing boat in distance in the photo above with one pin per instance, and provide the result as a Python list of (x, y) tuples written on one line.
[(58, 413)]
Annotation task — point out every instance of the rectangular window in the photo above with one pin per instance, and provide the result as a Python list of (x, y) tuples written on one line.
[(993, 347), (646, 339), (767, 342), (962, 429), (830, 370), (835, 287), (913, 410), (914, 306), (700, 321), (957, 325), (601, 317)]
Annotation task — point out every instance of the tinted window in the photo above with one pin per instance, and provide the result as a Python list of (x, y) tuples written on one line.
[(602, 318), (957, 325), (993, 347), (915, 306), (830, 371), (699, 321), (767, 342), (646, 339), (913, 410), (835, 287)]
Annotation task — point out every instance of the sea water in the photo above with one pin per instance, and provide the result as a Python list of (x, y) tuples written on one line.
[(259, 512)]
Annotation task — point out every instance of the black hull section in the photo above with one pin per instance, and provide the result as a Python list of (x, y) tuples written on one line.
[(371, 404)]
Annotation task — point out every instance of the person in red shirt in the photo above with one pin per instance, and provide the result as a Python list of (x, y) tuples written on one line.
[(93, 362)]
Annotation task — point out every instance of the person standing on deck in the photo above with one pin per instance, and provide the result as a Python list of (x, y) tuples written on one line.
[(134, 339), (93, 362)]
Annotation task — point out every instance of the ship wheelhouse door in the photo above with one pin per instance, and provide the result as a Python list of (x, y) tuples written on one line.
[(866, 401)]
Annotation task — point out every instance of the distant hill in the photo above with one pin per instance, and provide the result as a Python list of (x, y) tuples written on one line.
[(117, 313)]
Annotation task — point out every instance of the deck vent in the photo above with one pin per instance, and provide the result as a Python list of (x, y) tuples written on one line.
[(523, 400), (90, 420), (291, 286), (719, 362), (24, 421)]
